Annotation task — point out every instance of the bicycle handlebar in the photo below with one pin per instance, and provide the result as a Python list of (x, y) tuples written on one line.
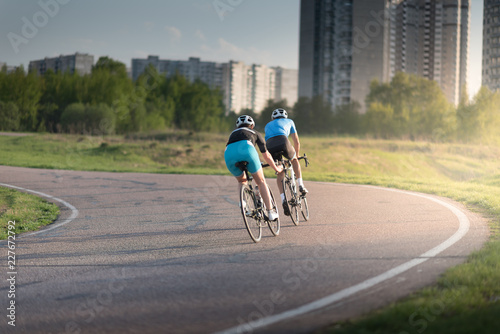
[(304, 157)]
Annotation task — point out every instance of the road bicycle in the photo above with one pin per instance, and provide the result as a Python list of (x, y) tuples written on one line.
[(253, 209), (296, 202)]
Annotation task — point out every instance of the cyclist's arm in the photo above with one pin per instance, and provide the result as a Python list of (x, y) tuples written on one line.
[(296, 143)]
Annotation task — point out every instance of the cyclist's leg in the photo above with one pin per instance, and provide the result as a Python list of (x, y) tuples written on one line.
[(298, 175), (255, 167), (296, 168), (242, 180), (292, 156), (280, 176), (278, 147), (264, 190), (279, 181)]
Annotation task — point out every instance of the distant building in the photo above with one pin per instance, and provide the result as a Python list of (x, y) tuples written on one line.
[(262, 88), (286, 85), (192, 69), (432, 41), (78, 63), (343, 46), (491, 45), (8, 68), (236, 86), (252, 86), (244, 86), (346, 44)]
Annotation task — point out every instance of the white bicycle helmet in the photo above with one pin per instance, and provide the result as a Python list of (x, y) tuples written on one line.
[(244, 120), (279, 113)]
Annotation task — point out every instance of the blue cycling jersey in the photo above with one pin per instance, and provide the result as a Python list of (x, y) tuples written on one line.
[(280, 127)]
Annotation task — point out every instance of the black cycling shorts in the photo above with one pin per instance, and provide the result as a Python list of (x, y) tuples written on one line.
[(280, 145)]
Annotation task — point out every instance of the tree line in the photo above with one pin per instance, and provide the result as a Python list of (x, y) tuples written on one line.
[(408, 107), (107, 101)]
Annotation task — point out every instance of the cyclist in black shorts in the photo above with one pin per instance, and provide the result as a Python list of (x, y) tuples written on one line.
[(277, 132)]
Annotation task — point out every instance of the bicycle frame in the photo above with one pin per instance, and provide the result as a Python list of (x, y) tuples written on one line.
[(296, 202), (254, 215), (260, 213), (289, 172)]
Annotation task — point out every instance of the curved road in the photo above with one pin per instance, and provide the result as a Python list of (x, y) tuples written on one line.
[(151, 253)]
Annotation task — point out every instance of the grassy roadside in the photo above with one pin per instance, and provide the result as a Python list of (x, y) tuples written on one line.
[(29, 212), (175, 152), (467, 297)]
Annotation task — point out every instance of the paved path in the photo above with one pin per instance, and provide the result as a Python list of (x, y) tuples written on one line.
[(151, 253)]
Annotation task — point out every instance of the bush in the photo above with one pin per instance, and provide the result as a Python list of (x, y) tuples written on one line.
[(94, 120)]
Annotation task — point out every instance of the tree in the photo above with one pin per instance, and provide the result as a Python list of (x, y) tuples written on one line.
[(9, 116), (159, 108), (347, 119), (99, 120), (91, 119), (73, 118), (418, 106), (379, 120), (107, 101), (265, 115), (108, 82), (199, 108), (49, 116), (480, 120), (301, 114), (24, 90), (322, 116)]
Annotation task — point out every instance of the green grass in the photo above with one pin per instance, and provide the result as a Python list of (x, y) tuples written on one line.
[(176, 152), (465, 300), (29, 212)]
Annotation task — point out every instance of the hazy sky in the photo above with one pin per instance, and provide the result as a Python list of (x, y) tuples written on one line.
[(253, 31)]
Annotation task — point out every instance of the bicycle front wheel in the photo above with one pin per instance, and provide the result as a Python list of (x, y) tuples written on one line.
[(274, 225), (291, 201), (250, 213)]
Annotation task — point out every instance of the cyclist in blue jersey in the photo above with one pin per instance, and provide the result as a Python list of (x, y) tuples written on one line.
[(241, 147), (277, 133)]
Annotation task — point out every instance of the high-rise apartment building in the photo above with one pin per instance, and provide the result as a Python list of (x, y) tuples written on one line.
[(286, 85), (432, 41), (192, 69), (345, 44), (236, 86), (248, 86), (78, 63), (262, 88), (491, 44), (244, 86)]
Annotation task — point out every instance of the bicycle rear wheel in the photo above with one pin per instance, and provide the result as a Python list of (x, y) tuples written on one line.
[(251, 215), (304, 208), (291, 200), (274, 225)]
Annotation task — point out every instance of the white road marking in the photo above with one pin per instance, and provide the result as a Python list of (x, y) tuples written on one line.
[(464, 225), (74, 211)]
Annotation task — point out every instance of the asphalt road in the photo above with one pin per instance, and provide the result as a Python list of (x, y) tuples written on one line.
[(151, 253)]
